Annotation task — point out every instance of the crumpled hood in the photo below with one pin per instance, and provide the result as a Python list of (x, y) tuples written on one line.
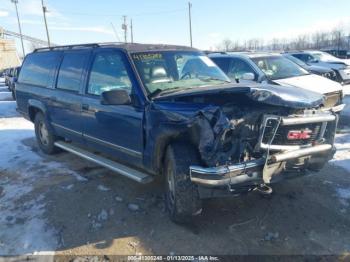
[(276, 95), (286, 96), (311, 82)]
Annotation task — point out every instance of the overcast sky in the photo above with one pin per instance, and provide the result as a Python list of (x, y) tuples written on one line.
[(166, 21)]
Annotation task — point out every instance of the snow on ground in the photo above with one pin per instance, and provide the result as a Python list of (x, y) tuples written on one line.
[(342, 156), (3, 88), (8, 109), (5, 96), (23, 227), (346, 89)]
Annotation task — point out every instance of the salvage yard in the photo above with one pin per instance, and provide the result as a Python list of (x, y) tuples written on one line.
[(65, 205)]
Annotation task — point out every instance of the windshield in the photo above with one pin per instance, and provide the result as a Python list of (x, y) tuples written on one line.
[(278, 67), (169, 70)]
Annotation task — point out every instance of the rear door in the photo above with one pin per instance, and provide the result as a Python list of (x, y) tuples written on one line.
[(65, 104), (114, 129)]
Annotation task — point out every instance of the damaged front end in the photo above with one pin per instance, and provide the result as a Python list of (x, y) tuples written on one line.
[(277, 151), (246, 137)]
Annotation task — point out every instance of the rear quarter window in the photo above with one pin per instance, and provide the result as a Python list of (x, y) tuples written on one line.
[(37, 68)]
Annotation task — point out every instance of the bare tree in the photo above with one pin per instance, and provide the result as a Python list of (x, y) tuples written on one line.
[(334, 39), (228, 45)]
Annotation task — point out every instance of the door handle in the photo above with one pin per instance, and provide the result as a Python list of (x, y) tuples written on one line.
[(53, 99), (85, 107)]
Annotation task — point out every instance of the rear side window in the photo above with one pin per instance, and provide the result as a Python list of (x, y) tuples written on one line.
[(108, 72), (69, 75), (304, 57), (37, 68)]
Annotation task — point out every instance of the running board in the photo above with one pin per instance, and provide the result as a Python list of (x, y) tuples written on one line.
[(107, 163)]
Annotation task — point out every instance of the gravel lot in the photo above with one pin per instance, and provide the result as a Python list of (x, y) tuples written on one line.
[(64, 205)]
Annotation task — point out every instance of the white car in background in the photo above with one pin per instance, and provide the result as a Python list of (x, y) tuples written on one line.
[(275, 69), (340, 66)]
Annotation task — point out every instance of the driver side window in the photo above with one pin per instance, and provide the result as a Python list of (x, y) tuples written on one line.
[(108, 72)]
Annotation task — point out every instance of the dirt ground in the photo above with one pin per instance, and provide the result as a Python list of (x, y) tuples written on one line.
[(303, 216), (67, 205)]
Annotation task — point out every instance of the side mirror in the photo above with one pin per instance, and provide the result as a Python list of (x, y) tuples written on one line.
[(115, 97), (248, 76)]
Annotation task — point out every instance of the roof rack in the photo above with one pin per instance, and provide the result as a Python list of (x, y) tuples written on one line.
[(69, 47), (214, 52), (64, 47)]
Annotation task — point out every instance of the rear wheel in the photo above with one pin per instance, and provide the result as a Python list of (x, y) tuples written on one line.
[(44, 135), (182, 197)]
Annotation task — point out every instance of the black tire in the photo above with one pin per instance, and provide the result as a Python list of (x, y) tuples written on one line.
[(13, 94), (45, 139), (316, 167), (182, 197)]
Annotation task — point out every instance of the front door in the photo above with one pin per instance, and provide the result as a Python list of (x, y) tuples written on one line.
[(114, 129)]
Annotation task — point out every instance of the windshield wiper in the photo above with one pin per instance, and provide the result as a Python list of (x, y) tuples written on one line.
[(159, 91), (207, 79)]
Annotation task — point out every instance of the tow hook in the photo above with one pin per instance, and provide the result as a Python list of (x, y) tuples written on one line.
[(264, 189)]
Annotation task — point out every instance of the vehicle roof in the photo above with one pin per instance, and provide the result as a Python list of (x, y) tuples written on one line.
[(243, 54), (304, 51), (129, 47)]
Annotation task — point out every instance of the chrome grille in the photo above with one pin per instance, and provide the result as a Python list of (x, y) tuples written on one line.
[(282, 134)]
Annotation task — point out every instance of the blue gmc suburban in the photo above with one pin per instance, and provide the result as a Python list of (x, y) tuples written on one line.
[(151, 110)]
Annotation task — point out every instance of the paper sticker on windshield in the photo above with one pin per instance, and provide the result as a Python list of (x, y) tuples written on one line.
[(207, 61), (147, 56)]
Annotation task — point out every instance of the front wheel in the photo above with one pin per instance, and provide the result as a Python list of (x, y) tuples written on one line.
[(182, 197), (44, 135)]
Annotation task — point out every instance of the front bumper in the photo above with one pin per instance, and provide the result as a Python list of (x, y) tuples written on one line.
[(262, 170)]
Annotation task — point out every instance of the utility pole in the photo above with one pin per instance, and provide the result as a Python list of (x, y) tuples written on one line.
[(131, 32), (125, 28), (190, 20), (19, 25), (115, 32), (47, 30)]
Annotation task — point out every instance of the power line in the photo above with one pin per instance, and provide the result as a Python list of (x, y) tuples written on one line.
[(115, 32), (25, 37), (134, 15)]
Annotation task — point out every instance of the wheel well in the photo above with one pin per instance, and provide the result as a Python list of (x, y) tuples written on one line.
[(32, 111), (169, 142)]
